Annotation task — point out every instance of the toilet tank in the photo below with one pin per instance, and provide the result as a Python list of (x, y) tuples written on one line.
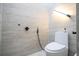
[(62, 38)]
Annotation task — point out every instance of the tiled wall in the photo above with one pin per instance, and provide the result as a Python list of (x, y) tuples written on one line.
[(58, 21), (17, 41), (0, 25)]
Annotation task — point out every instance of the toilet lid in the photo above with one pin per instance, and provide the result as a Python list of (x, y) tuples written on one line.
[(54, 47)]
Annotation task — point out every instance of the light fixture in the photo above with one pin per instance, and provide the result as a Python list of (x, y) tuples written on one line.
[(63, 13)]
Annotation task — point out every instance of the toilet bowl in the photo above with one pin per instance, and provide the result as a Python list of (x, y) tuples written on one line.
[(58, 48)]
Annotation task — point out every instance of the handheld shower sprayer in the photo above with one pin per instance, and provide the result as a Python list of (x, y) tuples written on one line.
[(37, 30)]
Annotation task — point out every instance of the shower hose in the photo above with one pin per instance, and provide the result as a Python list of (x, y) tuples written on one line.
[(39, 39)]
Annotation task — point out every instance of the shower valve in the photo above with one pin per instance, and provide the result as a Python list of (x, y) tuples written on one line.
[(26, 28)]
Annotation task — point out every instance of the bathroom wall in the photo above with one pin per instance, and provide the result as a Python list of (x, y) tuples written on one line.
[(58, 21), (17, 41), (77, 19), (0, 25)]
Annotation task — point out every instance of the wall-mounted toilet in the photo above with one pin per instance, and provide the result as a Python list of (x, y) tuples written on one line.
[(59, 47)]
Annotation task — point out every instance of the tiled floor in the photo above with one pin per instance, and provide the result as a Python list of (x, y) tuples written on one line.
[(40, 53)]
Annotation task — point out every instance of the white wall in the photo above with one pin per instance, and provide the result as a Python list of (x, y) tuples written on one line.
[(17, 41)]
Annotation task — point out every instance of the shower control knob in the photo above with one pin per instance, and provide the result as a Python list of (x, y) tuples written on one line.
[(26, 28)]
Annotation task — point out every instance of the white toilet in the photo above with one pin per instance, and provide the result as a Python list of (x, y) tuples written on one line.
[(59, 47)]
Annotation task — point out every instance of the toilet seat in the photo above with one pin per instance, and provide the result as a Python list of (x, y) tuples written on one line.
[(54, 47)]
